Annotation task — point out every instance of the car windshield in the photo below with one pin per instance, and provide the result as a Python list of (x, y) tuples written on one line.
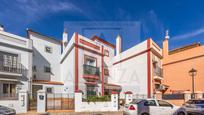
[(136, 101)]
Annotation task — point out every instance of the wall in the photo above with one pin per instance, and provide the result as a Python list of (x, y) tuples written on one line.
[(131, 74), (56, 88), (20, 105), (41, 58), (23, 48), (67, 65), (176, 67), (82, 53), (96, 106)]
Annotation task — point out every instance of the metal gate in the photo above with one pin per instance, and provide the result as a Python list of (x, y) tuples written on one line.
[(60, 101), (32, 101), (33, 97)]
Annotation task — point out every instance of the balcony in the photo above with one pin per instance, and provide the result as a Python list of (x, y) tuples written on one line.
[(11, 70), (91, 72), (10, 96), (158, 72)]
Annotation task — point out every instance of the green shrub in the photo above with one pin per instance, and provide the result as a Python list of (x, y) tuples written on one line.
[(95, 98)]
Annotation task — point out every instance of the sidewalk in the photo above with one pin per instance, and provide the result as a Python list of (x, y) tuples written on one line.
[(73, 113)]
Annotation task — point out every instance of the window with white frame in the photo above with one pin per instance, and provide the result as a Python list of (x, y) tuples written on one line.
[(8, 59), (88, 60)]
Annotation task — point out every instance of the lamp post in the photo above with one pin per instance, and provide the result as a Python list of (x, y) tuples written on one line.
[(193, 73)]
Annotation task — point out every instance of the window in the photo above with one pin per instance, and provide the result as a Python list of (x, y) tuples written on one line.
[(48, 49), (8, 60), (90, 90), (150, 103), (34, 68), (88, 60), (5, 88), (49, 89), (164, 103), (47, 69), (34, 76), (9, 88)]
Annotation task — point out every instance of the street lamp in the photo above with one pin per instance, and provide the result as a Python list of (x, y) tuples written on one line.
[(193, 73)]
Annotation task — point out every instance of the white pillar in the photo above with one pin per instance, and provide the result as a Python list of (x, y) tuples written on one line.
[(128, 98), (114, 100), (41, 101), (77, 101), (23, 98), (118, 45), (187, 95)]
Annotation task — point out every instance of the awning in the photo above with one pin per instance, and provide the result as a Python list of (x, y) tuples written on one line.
[(14, 80), (112, 87), (47, 82), (10, 80)]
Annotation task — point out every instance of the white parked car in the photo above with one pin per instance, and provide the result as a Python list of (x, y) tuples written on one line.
[(152, 107)]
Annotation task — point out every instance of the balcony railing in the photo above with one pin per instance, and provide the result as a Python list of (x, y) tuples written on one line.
[(158, 72), (91, 70), (12, 96), (18, 69)]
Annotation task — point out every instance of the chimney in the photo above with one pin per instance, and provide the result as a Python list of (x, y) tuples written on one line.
[(118, 45), (1, 27), (166, 45), (65, 38)]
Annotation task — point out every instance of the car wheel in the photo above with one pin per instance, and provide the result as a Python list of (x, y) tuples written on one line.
[(145, 113), (180, 113)]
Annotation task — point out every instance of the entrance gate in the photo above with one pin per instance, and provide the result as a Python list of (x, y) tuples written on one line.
[(60, 101), (33, 97)]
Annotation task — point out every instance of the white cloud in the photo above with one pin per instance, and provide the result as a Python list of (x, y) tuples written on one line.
[(33, 10), (189, 35)]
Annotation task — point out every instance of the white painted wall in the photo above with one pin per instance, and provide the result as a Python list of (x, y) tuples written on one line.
[(56, 88), (131, 74), (20, 105), (67, 65), (41, 58), (23, 48), (95, 106)]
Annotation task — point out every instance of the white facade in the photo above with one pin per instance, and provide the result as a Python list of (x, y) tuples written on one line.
[(46, 62), (15, 64), (89, 65), (131, 74), (78, 65), (130, 70)]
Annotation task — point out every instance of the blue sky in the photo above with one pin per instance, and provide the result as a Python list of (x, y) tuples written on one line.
[(183, 18)]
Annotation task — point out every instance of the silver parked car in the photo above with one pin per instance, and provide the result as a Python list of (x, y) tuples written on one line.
[(6, 111), (195, 106), (152, 107)]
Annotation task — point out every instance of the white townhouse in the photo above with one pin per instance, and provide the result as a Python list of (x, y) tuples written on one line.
[(82, 64), (91, 66), (15, 64), (46, 63)]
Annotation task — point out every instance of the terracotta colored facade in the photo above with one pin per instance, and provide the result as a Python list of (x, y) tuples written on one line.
[(176, 66)]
